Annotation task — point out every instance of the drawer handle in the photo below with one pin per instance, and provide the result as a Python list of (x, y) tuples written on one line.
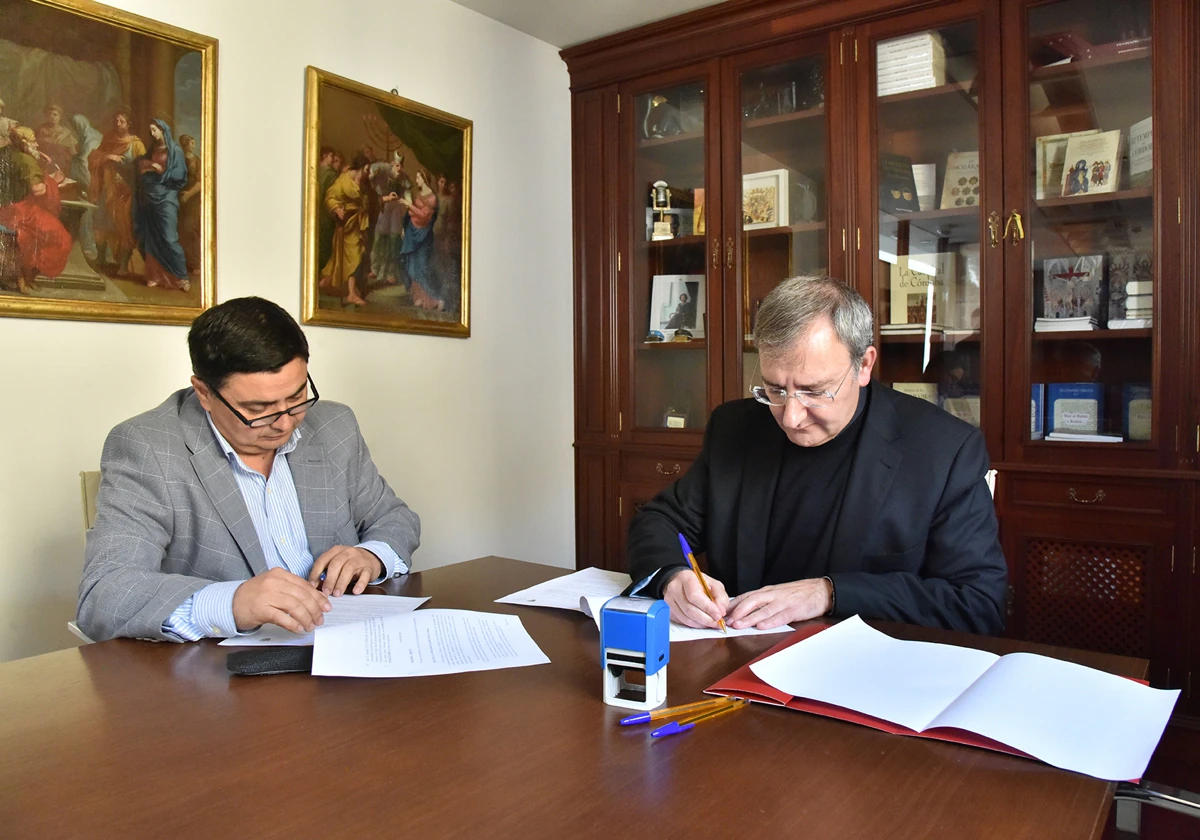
[(673, 471), (1099, 497)]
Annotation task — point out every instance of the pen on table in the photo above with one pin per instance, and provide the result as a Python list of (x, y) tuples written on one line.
[(687, 723), (691, 558), (672, 711)]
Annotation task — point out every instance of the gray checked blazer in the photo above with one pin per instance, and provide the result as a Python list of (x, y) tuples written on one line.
[(170, 519)]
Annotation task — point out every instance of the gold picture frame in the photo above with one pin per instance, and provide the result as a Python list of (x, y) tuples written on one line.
[(103, 221), (387, 211)]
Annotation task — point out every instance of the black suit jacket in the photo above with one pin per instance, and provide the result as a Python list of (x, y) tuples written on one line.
[(916, 539)]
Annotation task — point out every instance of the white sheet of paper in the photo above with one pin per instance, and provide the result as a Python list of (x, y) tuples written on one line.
[(347, 609), (564, 592), (1064, 714), (590, 605), (855, 666), (424, 643)]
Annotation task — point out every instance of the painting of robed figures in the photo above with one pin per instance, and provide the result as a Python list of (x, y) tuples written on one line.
[(387, 209), (106, 164)]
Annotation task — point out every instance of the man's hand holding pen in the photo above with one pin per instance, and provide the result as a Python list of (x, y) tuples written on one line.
[(690, 605)]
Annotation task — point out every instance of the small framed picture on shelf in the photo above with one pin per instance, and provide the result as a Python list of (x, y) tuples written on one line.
[(765, 199), (677, 306), (674, 419)]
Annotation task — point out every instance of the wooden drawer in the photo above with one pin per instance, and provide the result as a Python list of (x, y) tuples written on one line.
[(656, 471), (1092, 493)]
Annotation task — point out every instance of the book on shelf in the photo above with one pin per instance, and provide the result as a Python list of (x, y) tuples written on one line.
[(1073, 287), (1130, 323), (1139, 314), (967, 313), (920, 42), (911, 329), (1139, 287), (1137, 410), (925, 179), (1092, 164), (1049, 153), (1135, 303), (698, 211), (1073, 717), (961, 187), (1063, 324), (964, 408), (897, 188), (922, 289), (927, 391), (1141, 153), (1079, 437), (1074, 407), (1037, 414)]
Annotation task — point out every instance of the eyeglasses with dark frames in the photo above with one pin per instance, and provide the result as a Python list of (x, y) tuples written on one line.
[(268, 419), (770, 395)]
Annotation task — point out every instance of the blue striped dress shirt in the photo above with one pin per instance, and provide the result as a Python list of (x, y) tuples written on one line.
[(275, 510)]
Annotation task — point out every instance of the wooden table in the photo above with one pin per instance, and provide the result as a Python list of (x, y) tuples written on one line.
[(131, 739)]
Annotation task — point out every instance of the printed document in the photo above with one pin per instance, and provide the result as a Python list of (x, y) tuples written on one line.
[(424, 643), (348, 609)]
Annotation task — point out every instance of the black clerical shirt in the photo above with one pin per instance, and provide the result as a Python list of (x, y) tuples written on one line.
[(807, 503)]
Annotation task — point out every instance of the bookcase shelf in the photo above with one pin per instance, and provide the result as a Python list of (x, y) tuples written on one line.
[(1061, 72), (1138, 194), (1092, 335)]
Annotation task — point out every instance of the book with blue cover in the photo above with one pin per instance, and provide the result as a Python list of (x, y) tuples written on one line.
[(1074, 406), (1037, 414), (1136, 411)]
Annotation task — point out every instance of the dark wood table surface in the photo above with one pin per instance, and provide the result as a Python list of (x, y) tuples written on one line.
[(133, 739)]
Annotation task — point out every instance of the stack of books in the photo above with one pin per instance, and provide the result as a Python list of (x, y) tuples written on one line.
[(1139, 300), (1131, 289), (913, 62), (1064, 324)]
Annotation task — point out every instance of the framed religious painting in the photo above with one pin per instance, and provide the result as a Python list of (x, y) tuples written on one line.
[(387, 211), (107, 132)]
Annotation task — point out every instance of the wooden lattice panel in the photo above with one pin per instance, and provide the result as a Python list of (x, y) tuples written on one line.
[(1092, 596)]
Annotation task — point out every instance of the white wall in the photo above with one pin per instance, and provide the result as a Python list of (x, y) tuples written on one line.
[(474, 434)]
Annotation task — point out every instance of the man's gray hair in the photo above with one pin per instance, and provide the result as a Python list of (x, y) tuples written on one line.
[(798, 303)]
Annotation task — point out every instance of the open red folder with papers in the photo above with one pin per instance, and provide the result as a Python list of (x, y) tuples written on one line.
[(1022, 704)]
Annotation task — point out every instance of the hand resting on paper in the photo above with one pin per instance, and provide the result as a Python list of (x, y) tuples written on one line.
[(279, 597), (689, 605), (341, 565), (775, 606)]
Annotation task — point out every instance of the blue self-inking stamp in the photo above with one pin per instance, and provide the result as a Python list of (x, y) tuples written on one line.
[(635, 635)]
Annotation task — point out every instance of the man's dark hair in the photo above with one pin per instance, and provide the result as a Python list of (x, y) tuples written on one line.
[(243, 335)]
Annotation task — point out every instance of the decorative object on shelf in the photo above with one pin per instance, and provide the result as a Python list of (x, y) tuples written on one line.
[(107, 139), (676, 221), (1092, 164), (674, 419), (660, 203), (663, 119), (962, 185), (654, 336), (698, 223), (1137, 409), (765, 199), (1073, 287), (812, 89), (677, 303), (925, 182), (682, 334), (912, 62), (1037, 414), (1141, 153), (1075, 406), (922, 289), (897, 188), (802, 198), (927, 391), (1050, 151), (387, 239)]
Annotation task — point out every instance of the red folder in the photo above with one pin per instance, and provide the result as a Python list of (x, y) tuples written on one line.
[(744, 683)]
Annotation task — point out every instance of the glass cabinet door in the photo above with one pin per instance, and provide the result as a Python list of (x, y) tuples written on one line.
[(668, 305), (927, 276), (1090, 223), (782, 205)]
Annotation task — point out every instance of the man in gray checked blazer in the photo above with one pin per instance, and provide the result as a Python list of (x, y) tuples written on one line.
[(240, 500)]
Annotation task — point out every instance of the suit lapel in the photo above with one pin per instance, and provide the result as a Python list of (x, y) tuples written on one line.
[(760, 474), (217, 479), (871, 476), (311, 475)]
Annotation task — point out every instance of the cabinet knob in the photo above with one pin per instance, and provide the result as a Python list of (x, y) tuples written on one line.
[(1099, 497), (661, 471)]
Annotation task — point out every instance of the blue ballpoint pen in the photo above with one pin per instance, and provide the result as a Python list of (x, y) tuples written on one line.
[(691, 558)]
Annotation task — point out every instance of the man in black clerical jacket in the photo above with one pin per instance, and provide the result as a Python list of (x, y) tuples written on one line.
[(828, 493)]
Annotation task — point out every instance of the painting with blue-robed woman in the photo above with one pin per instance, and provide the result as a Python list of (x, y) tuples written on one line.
[(387, 238), (161, 174)]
